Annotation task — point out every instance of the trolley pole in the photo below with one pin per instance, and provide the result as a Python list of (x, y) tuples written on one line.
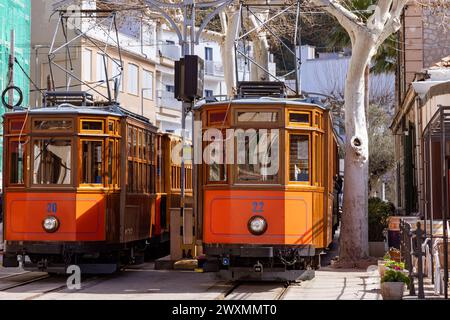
[(11, 69), (188, 36)]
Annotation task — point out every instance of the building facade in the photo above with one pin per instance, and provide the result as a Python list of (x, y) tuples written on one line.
[(423, 43), (14, 15)]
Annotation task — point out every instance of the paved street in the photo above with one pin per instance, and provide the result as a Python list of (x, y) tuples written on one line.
[(147, 283)]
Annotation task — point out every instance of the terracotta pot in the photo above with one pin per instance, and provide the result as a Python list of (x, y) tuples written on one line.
[(392, 290)]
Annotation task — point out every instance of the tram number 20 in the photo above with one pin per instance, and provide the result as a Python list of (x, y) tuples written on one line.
[(257, 206), (51, 207)]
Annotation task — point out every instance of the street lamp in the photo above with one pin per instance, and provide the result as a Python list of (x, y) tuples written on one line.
[(142, 98)]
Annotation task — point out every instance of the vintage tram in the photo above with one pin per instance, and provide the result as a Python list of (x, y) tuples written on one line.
[(268, 219), (85, 185)]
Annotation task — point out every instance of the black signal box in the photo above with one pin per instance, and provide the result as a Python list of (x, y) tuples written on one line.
[(189, 77)]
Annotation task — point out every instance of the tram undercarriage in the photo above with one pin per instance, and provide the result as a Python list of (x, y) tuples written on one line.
[(262, 262)]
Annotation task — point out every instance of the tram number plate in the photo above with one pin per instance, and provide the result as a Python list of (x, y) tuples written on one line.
[(257, 206), (51, 207)]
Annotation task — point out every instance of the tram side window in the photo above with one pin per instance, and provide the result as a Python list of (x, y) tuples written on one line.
[(92, 172), (299, 158), (16, 163), (52, 161), (110, 162)]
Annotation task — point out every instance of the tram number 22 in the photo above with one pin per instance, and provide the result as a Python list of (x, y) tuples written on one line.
[(257, 206), (51, 207)]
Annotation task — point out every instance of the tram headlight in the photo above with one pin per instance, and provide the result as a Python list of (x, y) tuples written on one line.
[(50, 224), (257, 225)]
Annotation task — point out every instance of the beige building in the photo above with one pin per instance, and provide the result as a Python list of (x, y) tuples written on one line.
[(423, 44), (86, 62)]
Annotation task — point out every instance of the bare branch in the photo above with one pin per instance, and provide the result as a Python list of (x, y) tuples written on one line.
[(349, 21), (393, 24)]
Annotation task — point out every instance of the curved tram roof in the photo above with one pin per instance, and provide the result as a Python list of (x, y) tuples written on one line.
[(267, 101)]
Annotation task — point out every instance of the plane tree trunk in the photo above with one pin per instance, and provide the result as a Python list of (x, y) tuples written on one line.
[(365, 37)]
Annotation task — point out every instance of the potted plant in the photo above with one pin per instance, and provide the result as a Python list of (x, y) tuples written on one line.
[(379, 212), (393, 284)]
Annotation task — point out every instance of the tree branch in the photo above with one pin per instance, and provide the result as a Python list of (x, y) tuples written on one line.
[(349, 21), (393, 23), (376, 22)]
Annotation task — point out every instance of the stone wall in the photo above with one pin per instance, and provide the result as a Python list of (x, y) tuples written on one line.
[(436, 36)]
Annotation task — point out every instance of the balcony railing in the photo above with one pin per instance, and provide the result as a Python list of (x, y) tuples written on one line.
[(171, 51), (213, 68), (167, 100)]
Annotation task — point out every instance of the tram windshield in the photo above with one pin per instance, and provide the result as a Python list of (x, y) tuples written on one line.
[(52, 161), (258, 161)]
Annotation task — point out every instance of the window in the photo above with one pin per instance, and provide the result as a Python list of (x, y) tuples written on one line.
[(256, 169), (52, 161), (16, 162), (209, 93), (208, 54), (170, 42), (87, 65), (52, 125), (110, 162), (259, 116), (170, 88), (111, 127), (92, 125), (100, 68), (91, 162), (117, 73), (298, 117), (133, 79), (217, 172), (299, 157), (148, 85)]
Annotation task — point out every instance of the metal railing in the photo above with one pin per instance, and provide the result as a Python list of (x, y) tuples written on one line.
[(213, 68), (411, 247), (166, 99), (171, 51)]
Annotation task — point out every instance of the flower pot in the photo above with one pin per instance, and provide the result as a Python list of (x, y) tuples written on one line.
[(392, 290)]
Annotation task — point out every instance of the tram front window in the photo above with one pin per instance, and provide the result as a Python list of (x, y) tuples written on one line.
[(92, 162), (298, 158), (257, 162), (52, 161)]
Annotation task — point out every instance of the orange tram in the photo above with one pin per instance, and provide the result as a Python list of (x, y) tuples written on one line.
[(259, 223), (85, 185)]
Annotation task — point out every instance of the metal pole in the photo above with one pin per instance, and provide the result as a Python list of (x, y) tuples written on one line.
[(445, 211), (419, 254), (297, 48), (11, 69), (444, 199)]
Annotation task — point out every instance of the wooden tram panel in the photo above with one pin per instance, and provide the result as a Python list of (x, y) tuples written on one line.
[(297, 213)]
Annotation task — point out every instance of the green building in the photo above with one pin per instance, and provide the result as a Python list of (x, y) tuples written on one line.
[(14, 14)]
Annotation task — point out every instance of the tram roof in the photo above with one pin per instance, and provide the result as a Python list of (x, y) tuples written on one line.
[(113, 110), (268, 101)]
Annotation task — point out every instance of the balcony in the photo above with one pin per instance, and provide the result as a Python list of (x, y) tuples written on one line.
[(213, 68), (170, 51), (166, 100)]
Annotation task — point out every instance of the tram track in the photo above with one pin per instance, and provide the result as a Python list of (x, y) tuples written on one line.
[(13, 284), (246, 290)]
